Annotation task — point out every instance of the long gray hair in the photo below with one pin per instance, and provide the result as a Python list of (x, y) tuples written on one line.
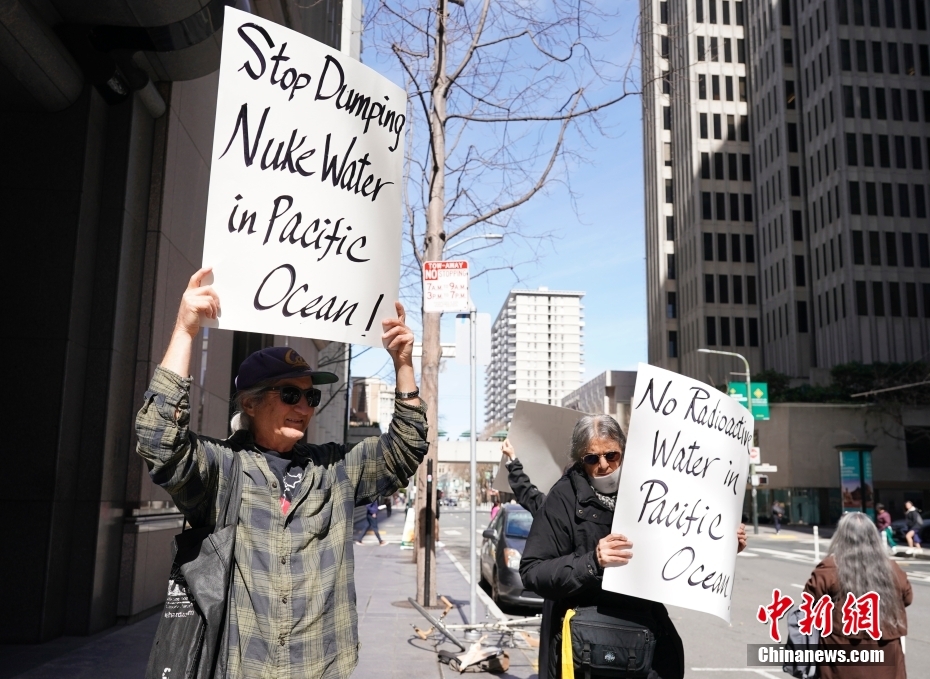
[(592, 427), (862, 565), (240, 419)]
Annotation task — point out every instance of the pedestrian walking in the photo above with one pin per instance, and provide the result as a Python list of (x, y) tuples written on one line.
[(883, 523), (857, 562), (571, 544), (778, 512), (292, 611), (495, 506), (371, 513), (914, 523)]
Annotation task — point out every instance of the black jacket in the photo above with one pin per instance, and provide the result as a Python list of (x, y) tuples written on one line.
[(527, 495), (560, 564)]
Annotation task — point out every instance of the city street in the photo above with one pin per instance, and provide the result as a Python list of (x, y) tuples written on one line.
[(716, 650)]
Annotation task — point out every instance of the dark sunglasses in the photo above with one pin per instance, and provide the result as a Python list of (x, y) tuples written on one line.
[(593, 459), (291, 395)]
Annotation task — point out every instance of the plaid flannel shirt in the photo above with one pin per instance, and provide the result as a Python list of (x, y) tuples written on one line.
[(293, 612)]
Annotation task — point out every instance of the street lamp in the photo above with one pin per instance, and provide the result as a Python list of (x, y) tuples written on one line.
[(755, 508), (486, 236)]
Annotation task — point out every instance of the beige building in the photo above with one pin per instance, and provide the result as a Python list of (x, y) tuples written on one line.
[(537, 351)]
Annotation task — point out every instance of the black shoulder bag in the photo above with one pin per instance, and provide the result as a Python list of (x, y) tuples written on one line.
[(192, 635), (600, 642)]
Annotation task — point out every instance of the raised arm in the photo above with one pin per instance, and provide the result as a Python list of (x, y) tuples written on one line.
[(527, 495), (177, 460), (379, 466)]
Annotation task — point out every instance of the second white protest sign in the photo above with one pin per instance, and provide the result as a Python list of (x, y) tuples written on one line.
[(681, 492), (303, 220)]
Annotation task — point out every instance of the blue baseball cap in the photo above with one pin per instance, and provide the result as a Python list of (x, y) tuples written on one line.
[(278, 363)]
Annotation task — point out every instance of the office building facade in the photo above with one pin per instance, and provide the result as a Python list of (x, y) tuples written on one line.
[(536, 351), (787, 161)]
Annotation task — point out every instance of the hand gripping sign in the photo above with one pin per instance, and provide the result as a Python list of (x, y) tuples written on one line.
[(304, 213), (681, 492)]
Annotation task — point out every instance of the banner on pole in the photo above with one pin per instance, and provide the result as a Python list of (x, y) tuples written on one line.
[(303, 222), (681, 492)]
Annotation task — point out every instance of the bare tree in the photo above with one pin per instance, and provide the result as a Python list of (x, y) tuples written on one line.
[(501, 96)]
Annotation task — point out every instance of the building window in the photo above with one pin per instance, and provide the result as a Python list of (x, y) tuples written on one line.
[(718, 166), (794, 175), (739, 332), (849, 104), (753, 332), (750, 290), (802, 316), (891, 248), (910, 295), (663, 46), (721, 205), (799, 271), (708, 246), (792, 137), (669, 192), (797, 227), (789, 91), (671, 305), (894, 299), (787, 53), (845, 56), (734, 207), (724, 331), (878, 298), (858, 248), (871, 199), (750, 248), (736, 251), (904, 203), (711, 331), (701, 51), (706, 205), (737, 289), (718, 129), (703, 125), (670, 263), (672, 344), (669, 227), (663, 12), (923, 249), (862, 303), (852, 158), (721, 247), (708, 288), (666, 117), (702, 86), (907, 249), (865, 109), (875, 250), (855, 204), (731, 128), (723, 288), (862, 62)]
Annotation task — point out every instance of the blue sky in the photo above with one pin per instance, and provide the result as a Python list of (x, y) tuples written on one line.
[(598, 247)]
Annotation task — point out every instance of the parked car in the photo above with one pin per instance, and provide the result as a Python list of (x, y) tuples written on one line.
[(899, 532), (500, 555)]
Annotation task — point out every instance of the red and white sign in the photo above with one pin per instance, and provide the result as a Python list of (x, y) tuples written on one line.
[(445, 286)]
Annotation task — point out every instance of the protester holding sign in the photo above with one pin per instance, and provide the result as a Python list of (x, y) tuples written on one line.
[(571, 544), (857, 567), (292, 612)]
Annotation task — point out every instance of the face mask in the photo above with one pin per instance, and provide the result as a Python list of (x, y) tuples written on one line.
[(607, 485)]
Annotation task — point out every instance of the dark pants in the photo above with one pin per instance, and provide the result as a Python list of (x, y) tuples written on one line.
[(777, 518), (373, 525)]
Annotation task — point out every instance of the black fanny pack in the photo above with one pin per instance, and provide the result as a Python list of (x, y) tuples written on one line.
[(601, 642)]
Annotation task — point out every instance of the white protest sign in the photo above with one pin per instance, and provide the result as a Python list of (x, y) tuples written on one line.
[(681, 492), (542, 438), (304, 214), (445, 286)]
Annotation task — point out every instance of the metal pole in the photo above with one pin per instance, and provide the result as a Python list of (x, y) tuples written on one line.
[(817, 544), (473, 465), (752, 467)]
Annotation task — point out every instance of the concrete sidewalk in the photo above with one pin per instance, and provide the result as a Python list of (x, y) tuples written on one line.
[(384, 578)]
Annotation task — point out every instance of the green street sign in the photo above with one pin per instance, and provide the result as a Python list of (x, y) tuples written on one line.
[(760, 397)]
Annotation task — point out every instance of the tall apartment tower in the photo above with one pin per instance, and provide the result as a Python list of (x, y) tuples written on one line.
[(536, 351), (841, 102), (787, 166), (701, 245)]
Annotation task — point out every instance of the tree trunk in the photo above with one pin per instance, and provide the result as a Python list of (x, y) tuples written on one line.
[(432, 349)]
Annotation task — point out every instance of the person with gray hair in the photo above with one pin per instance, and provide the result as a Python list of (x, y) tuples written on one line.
[(571, 544), (857, 562)]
